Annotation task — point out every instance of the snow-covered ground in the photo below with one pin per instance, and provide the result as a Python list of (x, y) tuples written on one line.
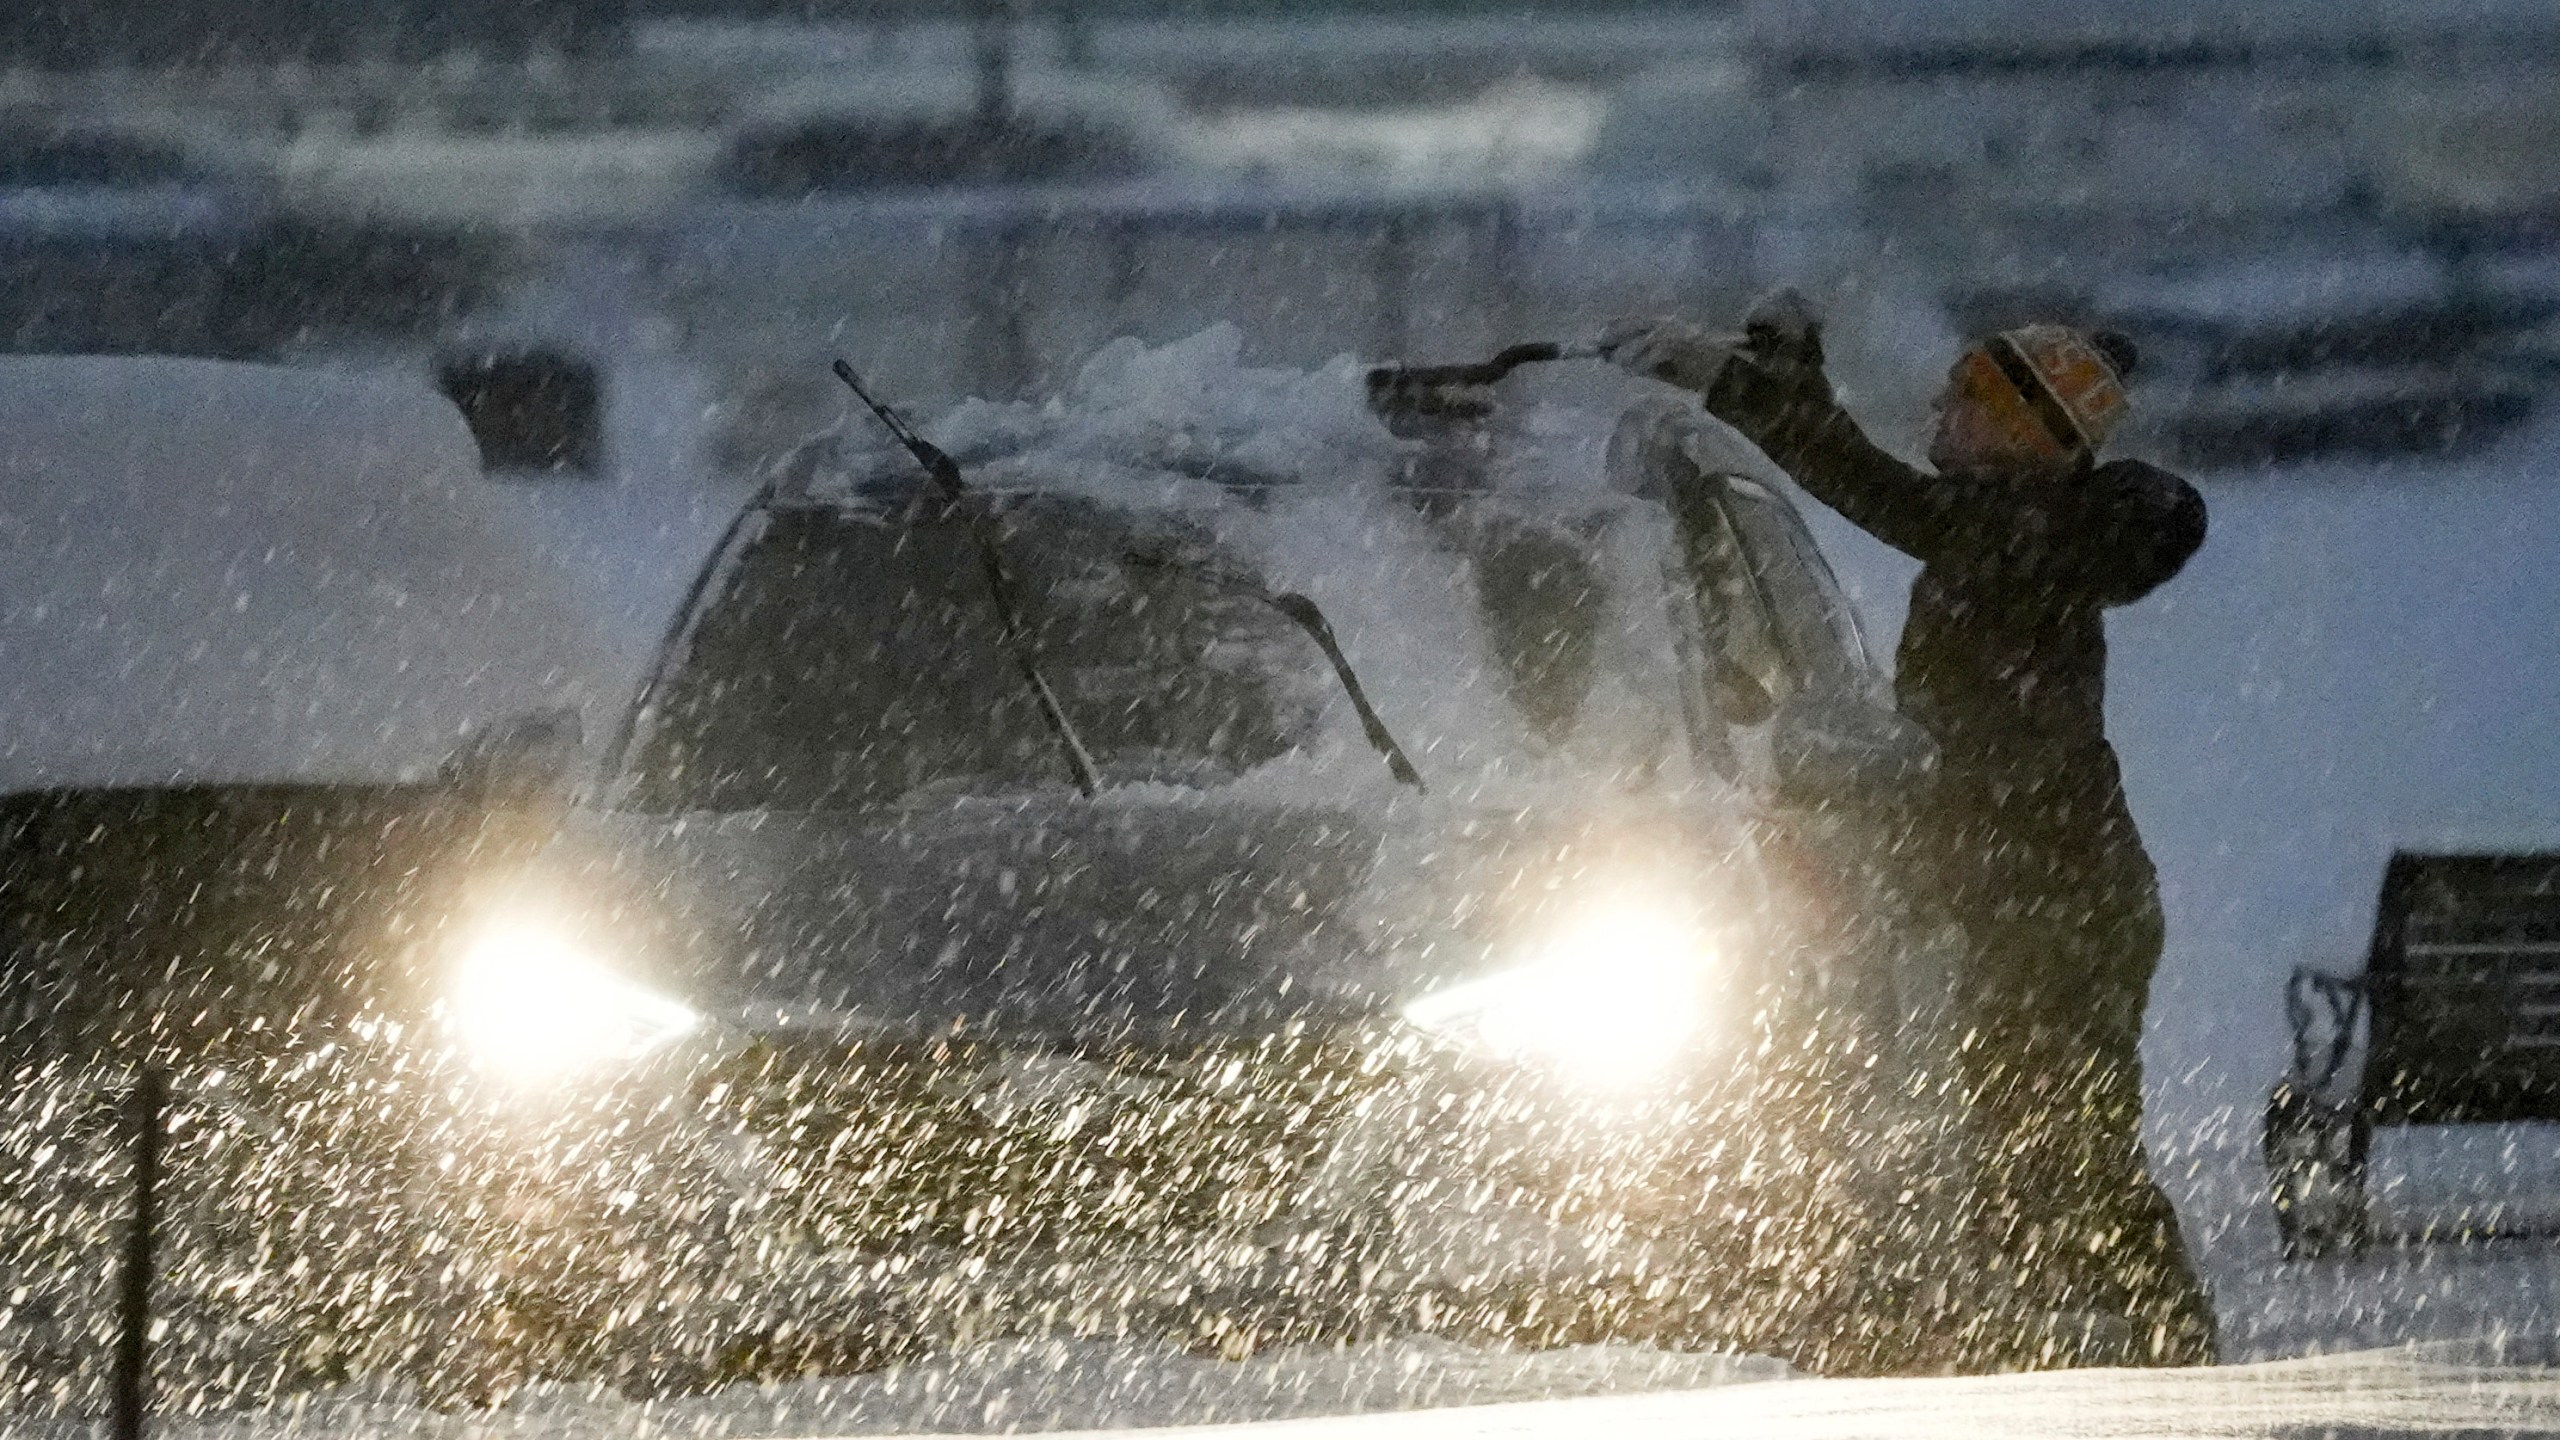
[(1429, 1390), (1021, 1386)]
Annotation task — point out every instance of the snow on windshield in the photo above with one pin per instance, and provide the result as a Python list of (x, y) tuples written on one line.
[(1517, 631)]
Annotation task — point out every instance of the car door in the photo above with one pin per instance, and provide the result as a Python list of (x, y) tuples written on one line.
[(1816, 739), (1772, 611)]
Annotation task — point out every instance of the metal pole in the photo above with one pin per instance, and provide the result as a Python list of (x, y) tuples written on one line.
[(998, 337), (991, 44), (1391, 281), (1509, 275), (133, 1298)]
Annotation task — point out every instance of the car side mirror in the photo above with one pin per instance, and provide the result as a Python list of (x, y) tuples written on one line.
[(1830, 751), (519, 760)]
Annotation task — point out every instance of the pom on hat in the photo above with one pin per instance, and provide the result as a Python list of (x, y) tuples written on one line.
[(2122, 355)]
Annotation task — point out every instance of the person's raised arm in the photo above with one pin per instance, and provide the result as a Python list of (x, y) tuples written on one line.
[(2113, 531), (1770, 386)]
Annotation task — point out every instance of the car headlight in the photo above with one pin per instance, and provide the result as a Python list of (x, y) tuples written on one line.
[(1611, 999), (525, 1003)]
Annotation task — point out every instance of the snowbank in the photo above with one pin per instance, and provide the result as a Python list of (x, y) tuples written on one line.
[(222, 572)]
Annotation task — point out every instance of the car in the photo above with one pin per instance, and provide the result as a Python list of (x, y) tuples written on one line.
[(278, 656), (1297, 918), (1372, 882), (945, 127), (247, 599)]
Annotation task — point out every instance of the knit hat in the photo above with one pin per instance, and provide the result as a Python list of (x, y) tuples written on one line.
[(2056, 388)]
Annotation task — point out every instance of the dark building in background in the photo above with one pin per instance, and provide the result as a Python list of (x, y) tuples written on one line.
[(76, 34)]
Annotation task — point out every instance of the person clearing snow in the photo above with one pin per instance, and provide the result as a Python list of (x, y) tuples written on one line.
[(2025, 540)]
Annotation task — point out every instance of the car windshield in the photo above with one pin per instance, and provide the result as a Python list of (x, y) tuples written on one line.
[(848, 656), (853, 659), (802, 719)]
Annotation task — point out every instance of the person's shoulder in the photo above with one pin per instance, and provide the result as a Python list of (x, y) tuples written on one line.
[(2125, 470), (2154, 488), (2159, 512)]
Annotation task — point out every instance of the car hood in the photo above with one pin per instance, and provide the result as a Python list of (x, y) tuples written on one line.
[(1095, 920)]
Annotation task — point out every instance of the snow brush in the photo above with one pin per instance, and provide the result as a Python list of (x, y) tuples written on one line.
[(955, 488), (1441, 391)]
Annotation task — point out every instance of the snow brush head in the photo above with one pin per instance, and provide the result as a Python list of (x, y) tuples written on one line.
[(1415, 399)]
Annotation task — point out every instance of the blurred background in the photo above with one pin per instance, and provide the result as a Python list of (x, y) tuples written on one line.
[(625, 234)]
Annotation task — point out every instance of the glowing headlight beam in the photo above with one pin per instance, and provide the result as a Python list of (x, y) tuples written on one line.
[(1611, 1002), (527, 1005)]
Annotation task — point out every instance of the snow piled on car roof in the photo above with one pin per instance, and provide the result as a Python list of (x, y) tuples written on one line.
[(1135, 420), (1194, 407), (234, 573)]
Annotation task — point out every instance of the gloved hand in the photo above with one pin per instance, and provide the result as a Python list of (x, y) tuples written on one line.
[(1782, 333), (1675, 352), (1780, 336), (1767, 382)]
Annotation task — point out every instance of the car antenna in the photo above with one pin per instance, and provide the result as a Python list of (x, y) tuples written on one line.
[(1304, 613), (955, 488)]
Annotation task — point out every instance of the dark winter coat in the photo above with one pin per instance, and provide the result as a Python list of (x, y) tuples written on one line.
[(2026, 842), (2003, 658)]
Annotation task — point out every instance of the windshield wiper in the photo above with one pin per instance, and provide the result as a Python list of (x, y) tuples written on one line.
[(1306, 616), (946, 475)]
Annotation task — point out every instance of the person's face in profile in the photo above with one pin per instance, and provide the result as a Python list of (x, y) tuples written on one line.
[(1979, 422)]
